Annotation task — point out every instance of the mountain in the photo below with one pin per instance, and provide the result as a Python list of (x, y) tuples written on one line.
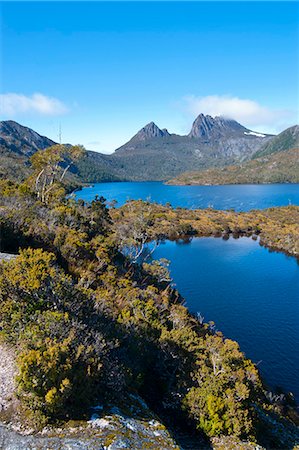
[(152, 154), (286, 140), (17, 144), (156, 154), (279, 167), (21, 140), (96, 168), (150, 131), (208, 127)]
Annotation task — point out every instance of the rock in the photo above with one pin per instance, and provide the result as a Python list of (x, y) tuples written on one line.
[(8, 372), (119, 443), (7, 256), (101, 423)]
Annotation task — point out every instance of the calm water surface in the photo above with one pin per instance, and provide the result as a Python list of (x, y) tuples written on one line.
[(251, 294), (239, 197)]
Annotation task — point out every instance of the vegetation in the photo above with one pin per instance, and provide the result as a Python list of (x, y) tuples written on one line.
[(50, 167), (282, 167), (277, 228), (89, 324), (284, 141), (13, 166)]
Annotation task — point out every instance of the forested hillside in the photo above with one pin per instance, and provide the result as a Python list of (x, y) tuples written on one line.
[(281, 167), (286, 140)]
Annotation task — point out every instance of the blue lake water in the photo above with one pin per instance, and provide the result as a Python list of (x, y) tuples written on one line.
[(250, 293), (239, 197)]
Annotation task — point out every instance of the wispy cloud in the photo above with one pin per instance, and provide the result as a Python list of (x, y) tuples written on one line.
[(12, 104), (247, 112)]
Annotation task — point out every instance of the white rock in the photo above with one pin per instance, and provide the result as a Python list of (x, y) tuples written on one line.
[(154, 423), (100, 423), (131, 426)]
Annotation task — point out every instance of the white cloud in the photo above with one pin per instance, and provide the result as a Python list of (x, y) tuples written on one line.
[(248, 112), (12, 104)]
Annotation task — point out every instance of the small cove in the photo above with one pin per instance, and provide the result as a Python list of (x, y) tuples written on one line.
[(250, 293)]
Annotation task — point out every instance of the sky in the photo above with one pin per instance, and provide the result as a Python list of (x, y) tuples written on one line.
[(102, 70)]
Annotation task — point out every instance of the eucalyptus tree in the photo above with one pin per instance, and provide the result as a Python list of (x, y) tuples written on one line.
[(50, 167)]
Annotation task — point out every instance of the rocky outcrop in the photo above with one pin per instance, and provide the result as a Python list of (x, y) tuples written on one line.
[(6, 256), (132, 427), (114, 429)]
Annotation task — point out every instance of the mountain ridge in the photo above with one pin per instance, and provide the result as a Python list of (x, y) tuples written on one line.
[(278, 167), (211, 142), (285, 140), (20, 139), (151, 154)]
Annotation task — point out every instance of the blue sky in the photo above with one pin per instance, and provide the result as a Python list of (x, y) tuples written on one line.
[(104, 69)]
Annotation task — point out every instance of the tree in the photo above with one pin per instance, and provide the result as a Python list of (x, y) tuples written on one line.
[(225, 388), (134, 233), (51, 166)]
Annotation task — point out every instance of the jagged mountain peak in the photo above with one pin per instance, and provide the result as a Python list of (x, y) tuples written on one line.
[(205, 126), (149, 131)]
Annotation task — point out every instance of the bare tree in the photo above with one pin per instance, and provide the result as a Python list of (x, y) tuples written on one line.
[(134, 234)]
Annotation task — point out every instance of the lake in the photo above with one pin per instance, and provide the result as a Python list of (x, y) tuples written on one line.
[(239, 197), (251, 294)]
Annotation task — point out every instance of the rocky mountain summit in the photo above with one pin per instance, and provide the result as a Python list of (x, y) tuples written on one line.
[(208, 127), (149, 131)]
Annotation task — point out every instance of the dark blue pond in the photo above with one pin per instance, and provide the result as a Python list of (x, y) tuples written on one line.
[(251, 294), (239, 197)]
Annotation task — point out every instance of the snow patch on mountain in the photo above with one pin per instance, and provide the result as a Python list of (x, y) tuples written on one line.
[(253, 133)]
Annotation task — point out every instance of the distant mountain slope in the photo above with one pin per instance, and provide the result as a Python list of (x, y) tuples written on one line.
[(286, 140), (21, 140), (152, 154), (13, 166), (281, 167), (96, 168), (19, 143)]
